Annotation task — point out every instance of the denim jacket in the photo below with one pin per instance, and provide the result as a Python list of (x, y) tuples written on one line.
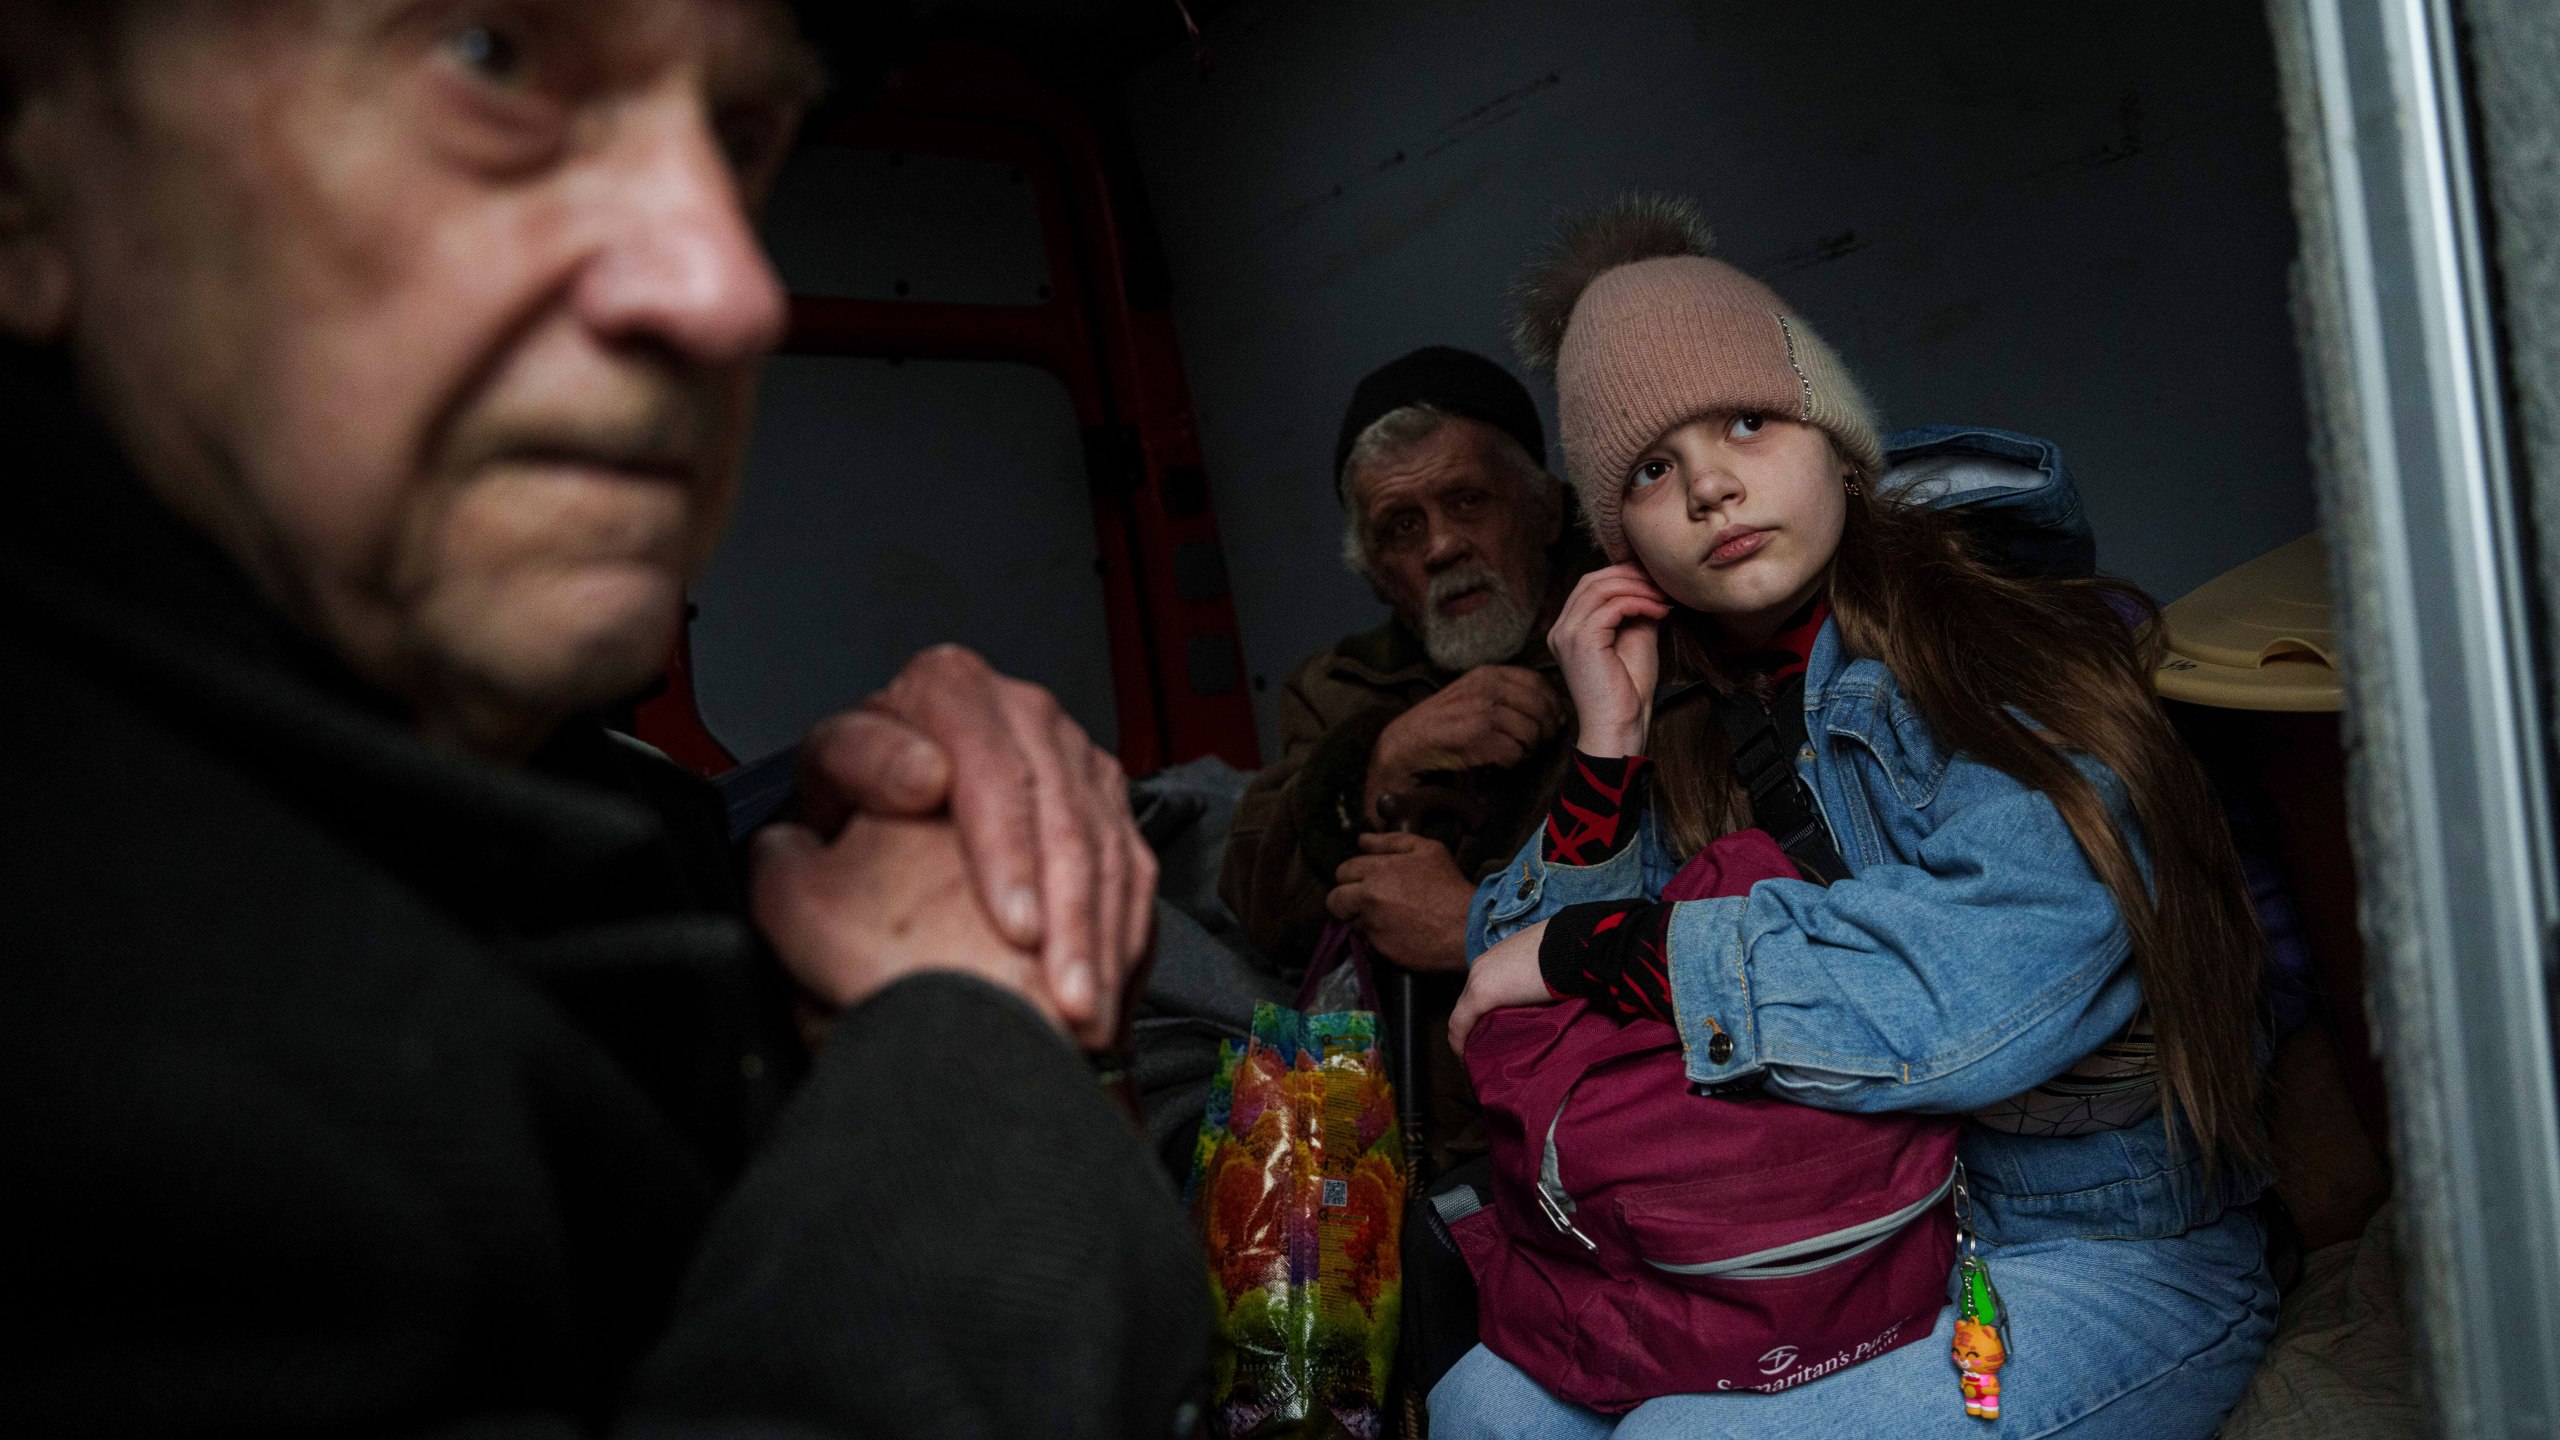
[(1971, 954), (2015, 492)]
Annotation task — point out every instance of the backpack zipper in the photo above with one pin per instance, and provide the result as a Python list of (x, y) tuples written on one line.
[(1778, 1262), (1804, 1257), (1553, 1199)]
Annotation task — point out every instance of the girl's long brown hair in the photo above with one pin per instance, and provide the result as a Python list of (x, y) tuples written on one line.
[(1974, 649)]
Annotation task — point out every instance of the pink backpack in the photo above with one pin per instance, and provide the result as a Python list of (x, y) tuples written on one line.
[(1643, 1240)]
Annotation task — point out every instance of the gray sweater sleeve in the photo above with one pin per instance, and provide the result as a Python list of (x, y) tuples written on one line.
[(951, 1233)]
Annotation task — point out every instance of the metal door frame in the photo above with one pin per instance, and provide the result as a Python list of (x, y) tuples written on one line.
[(2450, 733), (1177, 665)]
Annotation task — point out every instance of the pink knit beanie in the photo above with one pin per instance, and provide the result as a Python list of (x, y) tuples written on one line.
[(1645, 333)]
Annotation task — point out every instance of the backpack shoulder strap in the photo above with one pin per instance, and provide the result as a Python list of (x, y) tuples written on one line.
[(1764, 763)]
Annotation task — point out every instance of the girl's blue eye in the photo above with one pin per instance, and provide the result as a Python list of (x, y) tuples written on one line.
[(488, 52), (1745, 426)]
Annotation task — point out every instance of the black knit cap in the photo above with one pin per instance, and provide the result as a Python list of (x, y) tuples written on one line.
[(1459, 382)]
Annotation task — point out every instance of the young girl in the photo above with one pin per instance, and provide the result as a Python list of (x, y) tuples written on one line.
[(2033, 917)]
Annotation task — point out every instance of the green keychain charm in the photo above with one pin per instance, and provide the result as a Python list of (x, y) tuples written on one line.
[(1982, 1324)]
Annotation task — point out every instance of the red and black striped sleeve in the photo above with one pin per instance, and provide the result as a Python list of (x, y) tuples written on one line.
[(1612, 953), (1597, 810)]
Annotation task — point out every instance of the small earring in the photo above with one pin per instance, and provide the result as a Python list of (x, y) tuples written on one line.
[(1856, 490)]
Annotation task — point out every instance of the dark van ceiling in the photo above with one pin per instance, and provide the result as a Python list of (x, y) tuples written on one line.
[(1104, 40)]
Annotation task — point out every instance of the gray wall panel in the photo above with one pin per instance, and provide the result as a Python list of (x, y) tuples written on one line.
[(889, 507)]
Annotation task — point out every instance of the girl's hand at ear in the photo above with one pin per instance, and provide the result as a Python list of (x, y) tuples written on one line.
[(1608, 641), (1503, 976)]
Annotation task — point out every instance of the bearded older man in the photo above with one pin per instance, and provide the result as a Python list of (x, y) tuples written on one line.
[(1417, 756), (383, 1044)]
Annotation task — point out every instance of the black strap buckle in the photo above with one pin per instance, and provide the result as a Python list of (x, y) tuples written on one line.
[(1780, 804)]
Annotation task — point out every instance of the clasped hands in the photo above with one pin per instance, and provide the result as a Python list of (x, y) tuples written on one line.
[(1404, 894), (961, 822)]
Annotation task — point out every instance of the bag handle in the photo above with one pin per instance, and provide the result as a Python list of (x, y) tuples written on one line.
[(1339, 945)]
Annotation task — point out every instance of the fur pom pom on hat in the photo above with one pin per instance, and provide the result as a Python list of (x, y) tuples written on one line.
[(1645, 331)]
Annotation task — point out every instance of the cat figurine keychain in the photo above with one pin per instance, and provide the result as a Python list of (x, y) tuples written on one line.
[(1982, 1324)]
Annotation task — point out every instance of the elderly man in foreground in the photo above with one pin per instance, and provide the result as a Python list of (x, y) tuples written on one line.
[(385, 1047), (1417, 756)]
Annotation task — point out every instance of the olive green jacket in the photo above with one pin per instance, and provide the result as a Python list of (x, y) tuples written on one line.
[(1302, 816)]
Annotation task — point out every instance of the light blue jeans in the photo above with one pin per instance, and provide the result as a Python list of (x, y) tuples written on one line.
[(2140, 1339)]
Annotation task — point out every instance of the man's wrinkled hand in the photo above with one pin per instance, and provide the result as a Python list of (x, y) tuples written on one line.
[(1504, 976), (887, 898), (1407, 898), (1042, 814), (1492, 715)]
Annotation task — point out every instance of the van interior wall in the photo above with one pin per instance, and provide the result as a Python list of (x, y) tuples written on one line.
[(2064, 219), (889, 505)]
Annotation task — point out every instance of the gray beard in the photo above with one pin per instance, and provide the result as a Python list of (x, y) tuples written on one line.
[(1495, 632)]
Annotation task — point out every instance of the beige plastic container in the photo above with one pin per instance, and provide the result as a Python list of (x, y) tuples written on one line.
[(2260, 637)]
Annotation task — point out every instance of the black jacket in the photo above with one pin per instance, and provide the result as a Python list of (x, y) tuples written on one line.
[(351, 1088)]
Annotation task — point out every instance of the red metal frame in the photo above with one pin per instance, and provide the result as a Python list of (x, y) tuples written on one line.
[(1122, 370), (671, 721)]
